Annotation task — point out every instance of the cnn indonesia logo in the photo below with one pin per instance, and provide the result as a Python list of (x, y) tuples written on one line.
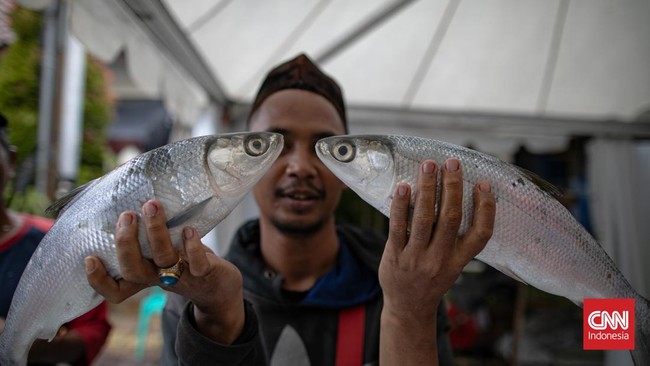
[(608, 324)]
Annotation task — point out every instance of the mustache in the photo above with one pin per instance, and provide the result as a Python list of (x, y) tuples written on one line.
[(301, 185)]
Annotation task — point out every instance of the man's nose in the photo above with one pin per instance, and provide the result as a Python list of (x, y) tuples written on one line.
[(301, 163)]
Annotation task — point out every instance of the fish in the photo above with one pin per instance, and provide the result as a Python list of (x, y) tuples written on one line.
[(535, 240), (199, 181)]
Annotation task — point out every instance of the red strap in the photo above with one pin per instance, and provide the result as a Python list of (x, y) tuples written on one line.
[(349, 343)]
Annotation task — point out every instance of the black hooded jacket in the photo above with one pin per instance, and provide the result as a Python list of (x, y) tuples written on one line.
[(287, 328)]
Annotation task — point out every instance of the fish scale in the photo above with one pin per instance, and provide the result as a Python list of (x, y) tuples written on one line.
[(535, 239), (198, 181)]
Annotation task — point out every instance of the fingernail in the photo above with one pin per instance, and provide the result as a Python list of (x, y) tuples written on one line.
[(90, 265), (125, 220), (150, 209), (428, 167), (452, 165), (401, 190), (484, 187), (188, 233)]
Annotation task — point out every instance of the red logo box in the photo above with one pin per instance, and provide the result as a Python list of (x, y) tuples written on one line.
[(608, 324)]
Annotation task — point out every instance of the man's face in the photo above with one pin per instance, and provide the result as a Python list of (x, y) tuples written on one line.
[(298, 194)]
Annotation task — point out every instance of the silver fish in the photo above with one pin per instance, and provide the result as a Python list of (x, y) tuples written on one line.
[(199, 181), (536, 240)]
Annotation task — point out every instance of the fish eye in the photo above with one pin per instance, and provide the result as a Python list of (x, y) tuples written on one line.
[(343, 151), (255, 145)]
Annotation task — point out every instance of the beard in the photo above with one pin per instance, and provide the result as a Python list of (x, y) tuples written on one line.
[(298, 230)]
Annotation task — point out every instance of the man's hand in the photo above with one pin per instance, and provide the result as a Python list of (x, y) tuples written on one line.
[(421, 262), (213, 284)]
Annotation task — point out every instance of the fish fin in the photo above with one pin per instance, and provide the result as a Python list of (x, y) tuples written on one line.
[(540, 182), (57, 207), (187, 214)]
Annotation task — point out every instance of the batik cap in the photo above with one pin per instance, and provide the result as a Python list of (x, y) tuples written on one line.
[(301, 73)]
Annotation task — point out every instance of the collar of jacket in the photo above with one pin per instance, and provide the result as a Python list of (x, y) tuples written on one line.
[(352, 281)]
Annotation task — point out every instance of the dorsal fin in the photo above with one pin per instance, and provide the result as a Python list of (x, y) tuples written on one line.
[(57, 207), (188, 214), (540, 182)]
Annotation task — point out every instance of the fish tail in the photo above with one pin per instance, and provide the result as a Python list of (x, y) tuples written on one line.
[(641, 352)]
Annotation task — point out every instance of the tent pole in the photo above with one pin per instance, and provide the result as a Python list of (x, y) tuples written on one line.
[(47, 98)]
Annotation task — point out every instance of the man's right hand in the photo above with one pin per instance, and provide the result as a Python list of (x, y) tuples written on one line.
[(213, 284)]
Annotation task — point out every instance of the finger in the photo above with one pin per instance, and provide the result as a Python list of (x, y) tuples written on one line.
[(399, 213), (425, 202), (155, 221), (197, 256), (451, 203), (112, 290), (483, 221), (133, 266)]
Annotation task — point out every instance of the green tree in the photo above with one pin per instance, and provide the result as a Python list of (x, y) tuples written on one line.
[(19, 93), (19, 81)]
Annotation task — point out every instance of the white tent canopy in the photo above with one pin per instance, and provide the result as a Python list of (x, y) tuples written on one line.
[(580, 58), (495, 74)]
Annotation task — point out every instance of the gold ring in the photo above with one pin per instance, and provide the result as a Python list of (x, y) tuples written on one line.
[(169, 276)]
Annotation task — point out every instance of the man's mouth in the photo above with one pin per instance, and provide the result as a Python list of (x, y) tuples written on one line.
[(299, 195), (298, 191)]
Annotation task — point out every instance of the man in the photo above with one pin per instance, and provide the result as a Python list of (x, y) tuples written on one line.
[(316, 292), (79, 341)]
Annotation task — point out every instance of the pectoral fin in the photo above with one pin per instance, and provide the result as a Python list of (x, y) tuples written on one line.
[(188, 214)]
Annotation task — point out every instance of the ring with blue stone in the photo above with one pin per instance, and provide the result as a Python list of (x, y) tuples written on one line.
[(169, 276)]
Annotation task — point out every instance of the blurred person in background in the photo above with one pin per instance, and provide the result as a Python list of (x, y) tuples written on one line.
[(297, 287), (77, 342)]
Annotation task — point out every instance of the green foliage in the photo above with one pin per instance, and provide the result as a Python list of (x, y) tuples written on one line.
[(30, 201), (26, 23), (20, 69), (19, 76)]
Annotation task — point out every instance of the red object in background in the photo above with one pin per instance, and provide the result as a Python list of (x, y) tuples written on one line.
[(464, 329)]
